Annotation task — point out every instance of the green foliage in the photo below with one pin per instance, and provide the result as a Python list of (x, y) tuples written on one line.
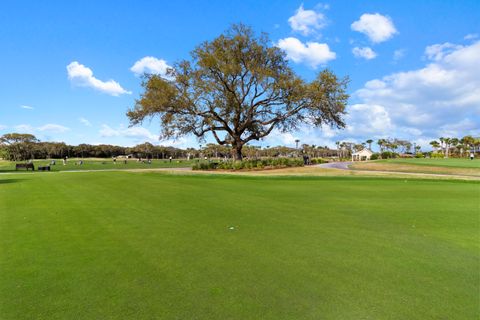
[(251, 164), (388, 155), (419, 155), (437, 155), (18, 146), (375, 156), (239, 87), (318, 161), (204, 166)]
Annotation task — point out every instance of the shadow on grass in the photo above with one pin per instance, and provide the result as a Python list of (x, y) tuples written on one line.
[(7, 181)]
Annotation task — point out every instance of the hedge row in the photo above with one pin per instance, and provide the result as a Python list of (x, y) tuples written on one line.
[(250, 164)]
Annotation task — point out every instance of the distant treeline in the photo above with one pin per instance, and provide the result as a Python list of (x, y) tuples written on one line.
[(19, 147)]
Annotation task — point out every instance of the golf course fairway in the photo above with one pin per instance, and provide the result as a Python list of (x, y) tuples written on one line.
[(125, 245)]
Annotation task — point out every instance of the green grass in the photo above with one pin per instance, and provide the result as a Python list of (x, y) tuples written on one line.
[(450, 162), (122, 245), (100, 164)]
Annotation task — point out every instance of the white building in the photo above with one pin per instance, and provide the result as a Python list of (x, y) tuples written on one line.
[(361, 155)]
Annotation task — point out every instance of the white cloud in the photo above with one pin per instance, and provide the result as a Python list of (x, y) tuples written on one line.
[(456, 129), (53, 128), (81, 75), (367, 119), (24, 128), (437, 52), (307, 22), (2, 127), (27, 107), (377, 27), (85, 122), (150, 65), (107, 131), (398, 54), (131, 132), (140, 134), (312, 53), (442, 97), (365, 53), (471, 36)]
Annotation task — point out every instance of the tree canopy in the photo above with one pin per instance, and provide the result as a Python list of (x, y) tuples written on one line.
[(19, 146), (239, 88)]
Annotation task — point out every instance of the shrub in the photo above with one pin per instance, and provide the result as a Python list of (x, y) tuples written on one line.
[(388, 155), (419, 155), (250, 164), (318, 161), (437, 155), (204, 166), (375, 156)]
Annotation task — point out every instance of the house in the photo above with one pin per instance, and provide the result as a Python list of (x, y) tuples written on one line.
[(361, 155)]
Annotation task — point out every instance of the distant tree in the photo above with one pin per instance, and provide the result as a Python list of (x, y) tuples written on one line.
[(358, 147), (435, 145), (476, 144), (382, 144), (442, 140), (405, 145), (239, 88), (18, 146), (369, 141), (447, 142)]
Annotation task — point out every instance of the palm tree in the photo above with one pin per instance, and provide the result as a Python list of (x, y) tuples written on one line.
[(476, 144), (447, 141), (454, 142), (369, 141), (442, 139), (435, 145), (460, 148)]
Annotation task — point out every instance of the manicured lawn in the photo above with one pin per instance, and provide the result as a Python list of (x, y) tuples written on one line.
[(464, 167), (123, 245), (100, 164), (450, 162)]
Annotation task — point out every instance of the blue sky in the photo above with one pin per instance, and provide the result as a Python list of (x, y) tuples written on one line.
[(414, 65)]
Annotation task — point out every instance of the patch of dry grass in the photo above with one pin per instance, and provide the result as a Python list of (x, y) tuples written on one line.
[(411, 168), (321, 172)]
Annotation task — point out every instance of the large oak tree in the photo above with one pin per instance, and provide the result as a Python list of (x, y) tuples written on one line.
[(238, 88)]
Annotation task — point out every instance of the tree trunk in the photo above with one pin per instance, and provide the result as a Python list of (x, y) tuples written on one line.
[(237, 151)]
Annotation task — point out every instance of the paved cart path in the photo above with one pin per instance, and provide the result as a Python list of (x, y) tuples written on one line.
[(336, 165)]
